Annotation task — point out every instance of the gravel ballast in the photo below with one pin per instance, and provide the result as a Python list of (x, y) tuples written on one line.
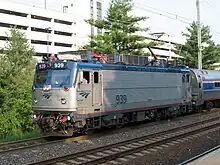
[(49, 151), (179, 153)]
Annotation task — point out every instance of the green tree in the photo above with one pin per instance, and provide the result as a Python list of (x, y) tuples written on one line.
[(120, 31), (16, 77), (210, 51)]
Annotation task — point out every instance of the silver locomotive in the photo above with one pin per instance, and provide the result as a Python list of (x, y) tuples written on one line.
[(74, 96)]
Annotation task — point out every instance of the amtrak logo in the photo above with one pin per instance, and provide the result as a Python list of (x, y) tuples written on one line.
[(46, 95), (84, 94)]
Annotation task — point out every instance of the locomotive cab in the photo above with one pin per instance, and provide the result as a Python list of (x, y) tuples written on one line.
[(53, 85), (54, 94)]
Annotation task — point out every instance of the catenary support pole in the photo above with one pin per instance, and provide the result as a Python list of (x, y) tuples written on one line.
[(199, 35), (45, 4)]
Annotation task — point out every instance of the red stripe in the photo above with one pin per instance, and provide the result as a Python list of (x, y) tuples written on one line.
[(212, 98), (145, 107)]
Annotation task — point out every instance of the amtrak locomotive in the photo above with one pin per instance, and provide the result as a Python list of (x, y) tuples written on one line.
[(74, 96)]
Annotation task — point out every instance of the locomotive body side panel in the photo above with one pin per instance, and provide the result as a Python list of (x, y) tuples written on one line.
[(125, 90)]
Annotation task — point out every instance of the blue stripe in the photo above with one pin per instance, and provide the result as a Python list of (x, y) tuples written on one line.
[(207, 86), (130, 68), (212, 90), (210, 86)]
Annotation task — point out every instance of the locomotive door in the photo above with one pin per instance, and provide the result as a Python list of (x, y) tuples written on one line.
[(84, 90), (96, 89)]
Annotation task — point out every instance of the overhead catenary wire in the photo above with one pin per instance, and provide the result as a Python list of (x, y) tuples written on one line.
[(142, 6), (151, 9), (208, 3), (172, 16), (177, 18), (161, 12), (199, 35)]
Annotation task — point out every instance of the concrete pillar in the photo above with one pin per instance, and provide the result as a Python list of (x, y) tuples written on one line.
[(52, 36), (28, 31)]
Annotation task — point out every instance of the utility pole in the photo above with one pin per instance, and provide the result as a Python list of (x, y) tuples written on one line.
[(199, 35), (45, 4), (169, 46), (48, 42)]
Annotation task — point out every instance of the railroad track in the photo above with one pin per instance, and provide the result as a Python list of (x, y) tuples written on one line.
[(36, 142), (33, 142), (22, 144), (121, 152)]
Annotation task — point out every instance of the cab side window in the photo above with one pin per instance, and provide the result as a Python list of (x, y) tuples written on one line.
[(217, 84), (86, 77), (96, 77)]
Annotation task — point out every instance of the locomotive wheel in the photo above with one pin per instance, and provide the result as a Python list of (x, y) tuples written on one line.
[(121, 122), (198, 109), (153, 115)]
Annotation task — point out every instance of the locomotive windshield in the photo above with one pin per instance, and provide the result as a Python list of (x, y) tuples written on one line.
[(60, 77), (41, 76), (51, 74)]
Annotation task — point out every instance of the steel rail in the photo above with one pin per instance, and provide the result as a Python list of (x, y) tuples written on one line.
[(22, 144), (121, 149)]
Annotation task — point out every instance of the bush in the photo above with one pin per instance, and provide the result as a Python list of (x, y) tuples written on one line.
[(16, 77)]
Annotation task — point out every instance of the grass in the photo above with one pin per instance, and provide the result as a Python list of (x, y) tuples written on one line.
[(27, 135)]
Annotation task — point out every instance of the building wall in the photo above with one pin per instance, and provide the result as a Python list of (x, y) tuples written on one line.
[(40, 27), (82, 10), (168, 42), (67, 30)]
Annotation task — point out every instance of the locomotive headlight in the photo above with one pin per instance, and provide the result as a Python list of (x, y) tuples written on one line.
[(34, 116), (63, 101)]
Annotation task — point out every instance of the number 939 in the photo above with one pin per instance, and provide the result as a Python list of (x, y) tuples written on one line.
[(121, 99)]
